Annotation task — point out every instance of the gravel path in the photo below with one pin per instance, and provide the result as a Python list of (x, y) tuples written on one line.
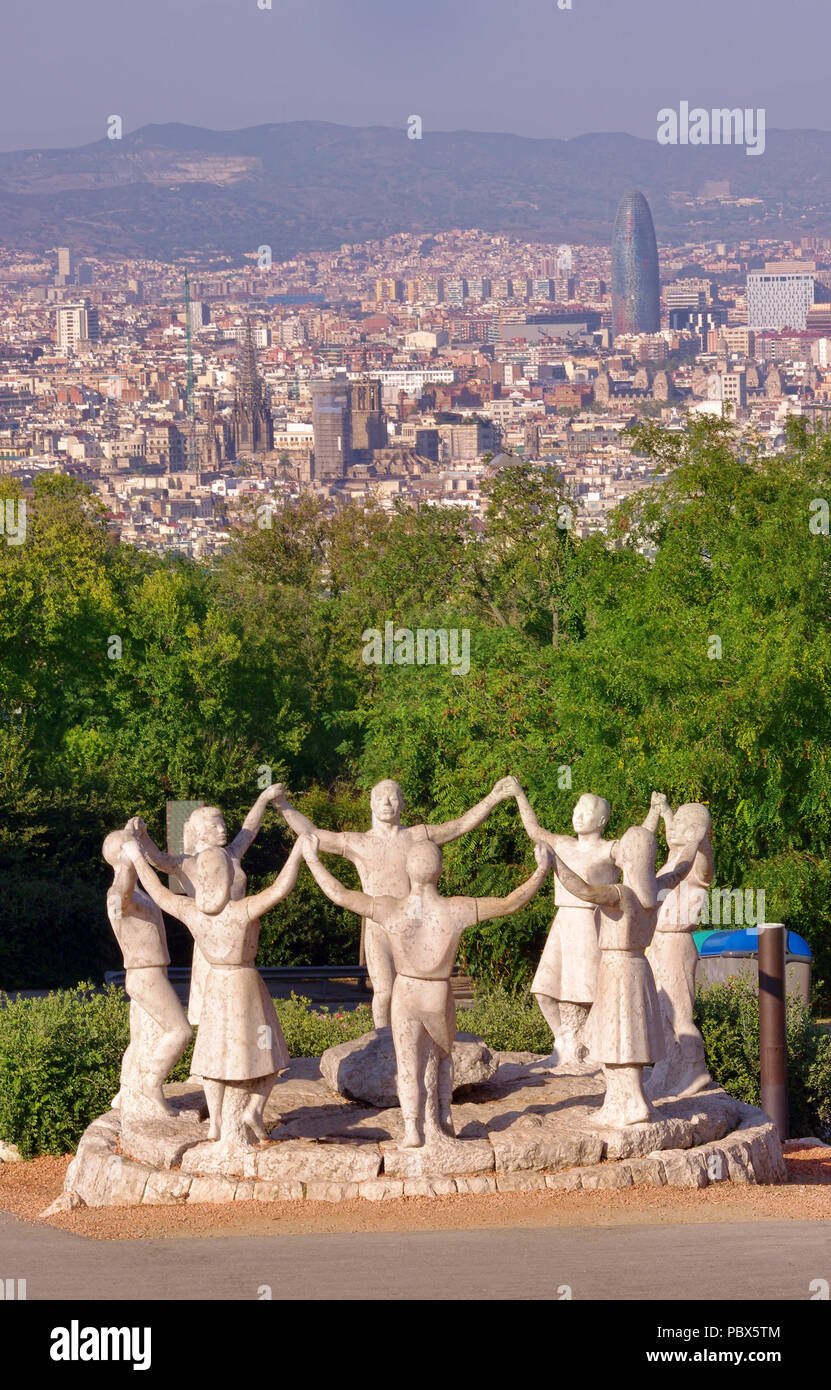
[(27, 1188)]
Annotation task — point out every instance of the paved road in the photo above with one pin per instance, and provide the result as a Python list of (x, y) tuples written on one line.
[(769, 1260)]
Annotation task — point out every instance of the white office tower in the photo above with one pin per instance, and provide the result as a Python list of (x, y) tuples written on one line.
[(66, 269), (780, 295)]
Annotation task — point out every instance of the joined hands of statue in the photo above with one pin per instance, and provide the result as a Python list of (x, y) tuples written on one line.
[(506, 787), (309, 845), (278, 796), (544, 856)]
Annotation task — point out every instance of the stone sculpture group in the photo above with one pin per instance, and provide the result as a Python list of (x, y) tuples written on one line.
[(608, 1003)]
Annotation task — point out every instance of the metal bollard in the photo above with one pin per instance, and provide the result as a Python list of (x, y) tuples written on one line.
[(772, 937)]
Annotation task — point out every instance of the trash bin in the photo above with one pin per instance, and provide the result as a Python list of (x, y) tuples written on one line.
[(722, 954)]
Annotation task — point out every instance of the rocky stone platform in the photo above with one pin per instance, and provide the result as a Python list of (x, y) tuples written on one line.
[(524, 1129)]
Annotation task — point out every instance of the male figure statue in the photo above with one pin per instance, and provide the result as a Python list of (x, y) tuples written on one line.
[(673, 954), (423, 930), (205, 829), (159, 1030), (380, 856), (564, 985)]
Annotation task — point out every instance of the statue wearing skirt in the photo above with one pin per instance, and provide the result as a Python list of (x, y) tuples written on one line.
[(624, 1029), (239, 1044)]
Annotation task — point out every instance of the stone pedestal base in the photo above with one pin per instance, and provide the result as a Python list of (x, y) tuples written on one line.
[(523, 1130)]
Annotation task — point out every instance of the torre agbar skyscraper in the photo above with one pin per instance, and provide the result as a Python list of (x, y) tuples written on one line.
[(636, 290)]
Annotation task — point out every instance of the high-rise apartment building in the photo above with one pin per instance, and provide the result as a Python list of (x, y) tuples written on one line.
[(331, 422), (432, 291), (479, 288), (688, 294), (198, 315), (66, 269), (292, 332), (636, 291), (387, 290), (734, 388), (75, 324), (455, 289), (700, 321), (780, 295)]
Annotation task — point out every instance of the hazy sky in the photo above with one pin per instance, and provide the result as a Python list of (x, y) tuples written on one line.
[(526, 67)]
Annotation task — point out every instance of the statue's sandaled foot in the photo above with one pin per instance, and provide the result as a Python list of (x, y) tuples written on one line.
[(144, 1105), (437, 1135), (446, 1125), (584, 1067), (572, 1059), (621, 1114), (413, 1137), (256, 1126), (630, 1117), (160, 1107), (550, 1063)]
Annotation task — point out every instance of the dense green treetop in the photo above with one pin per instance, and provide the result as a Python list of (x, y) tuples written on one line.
[(688, 651)]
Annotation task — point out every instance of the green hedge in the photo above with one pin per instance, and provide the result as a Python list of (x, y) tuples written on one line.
[(60, 1055), (55, 932), (60, 1058), (728, 1016)]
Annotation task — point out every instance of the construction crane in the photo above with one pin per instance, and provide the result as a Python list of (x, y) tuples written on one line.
[(191, 406)]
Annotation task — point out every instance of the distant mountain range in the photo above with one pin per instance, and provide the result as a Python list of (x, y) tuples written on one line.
[(167, 191)]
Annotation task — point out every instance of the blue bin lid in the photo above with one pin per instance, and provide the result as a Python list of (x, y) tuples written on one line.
[(745, 941)]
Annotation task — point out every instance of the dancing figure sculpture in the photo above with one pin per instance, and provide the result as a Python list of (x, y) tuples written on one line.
[(566, 978), (159, 1030), (673, 955), (624, 1029), (239, 1046), (423, 930), (380, 854)]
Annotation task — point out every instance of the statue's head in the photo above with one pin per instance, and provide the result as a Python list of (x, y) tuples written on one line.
[(387, 802), (591, 813), (204, 829), (113, 845), (690, 825), (691, 833), (635, 854), (424, 864), (212, 880)]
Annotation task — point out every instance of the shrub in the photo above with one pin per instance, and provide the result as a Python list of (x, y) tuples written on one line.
[(59, 1063), (308, 1031), (507, 1022), (728, 1016), (306, 928), (55, 932), (60, 1058)]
